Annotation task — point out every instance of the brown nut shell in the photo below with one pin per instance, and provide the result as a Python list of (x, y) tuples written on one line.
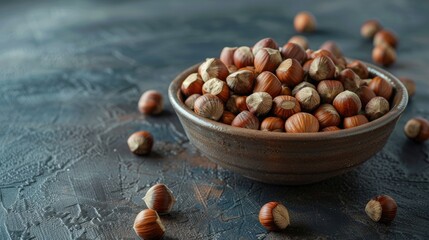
[(241, 82), (227, 56), (273, 124), (243, 57), (322, 68), (381, 209), (417, 129), (190, 101), (151, 103), (365, 94), (213, 68), (227, 117), (304, 22), (193, 84), (209, 106), (381, 87), (159, 198), (359, 68), (308, 99), (354, 121), (302, 123), (290, 72), (217, 88), (268, 82), (370, 28), (330, 129), (246, 119), (327, 116), (148, 225), (264, 43), (285, 106), (274, 216), (376, 108), (300, 40), (329, 89), (347, 104), (267, 59), (140, 143), (385, 37), (259, 103), (294, 51), (384, 55)]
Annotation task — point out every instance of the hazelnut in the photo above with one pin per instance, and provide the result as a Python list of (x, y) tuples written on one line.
[(410, 85), (376, 108), (302, 123), (350, 80), (325, 53), (236, 104), (329, 89), (300, 40), (370, 28), (330, 129), (232, 68), (274, 216), (365, 94), (306, 66), (264, 43), (267, 59), (354, 121), (268, 82), (192, 85), (347, 104), (309, 53), (301, 86), (286, 90), (209, 106), (140, 143), (241, 81), (151, 102), (385, 37), (273, 124), (250, 68), (227, 56), (381, 209), (381, 87), (295, 51), (259, 103), (213, 68), (246, 119), (190, 101), (159, 198), (227, 117), (285, 106), (359, 68), (304, 22), (332, 47), (322, 68), (384, 55), (417, 129), (290, 72), (148, 225), (243, 57), (217, 88), (327, 116), (308, 98)]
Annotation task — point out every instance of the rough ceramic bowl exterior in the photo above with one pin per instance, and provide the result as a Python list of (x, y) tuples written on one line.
[(288, 158)]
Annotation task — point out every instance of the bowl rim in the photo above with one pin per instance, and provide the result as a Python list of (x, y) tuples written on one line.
[(394, 113)]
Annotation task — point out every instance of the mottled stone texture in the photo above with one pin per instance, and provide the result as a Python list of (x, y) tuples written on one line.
[(71, 73)]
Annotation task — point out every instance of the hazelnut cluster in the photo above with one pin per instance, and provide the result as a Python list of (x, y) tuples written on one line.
[(286, 89)]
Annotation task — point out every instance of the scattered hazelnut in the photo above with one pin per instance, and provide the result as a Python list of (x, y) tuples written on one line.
[(322, 68), (192, 85), (385, 37), (350, 80), (329, 89), (290, 72), (365, 94), (417, 129), (264, 43), (273, 124), (359, 68), (236, 104), (304, 22), (286, 90), (274, 216), (217, 88), (354, 121), (384, 55), (246, 119), (227, 56), (159, 198), (347, 104), (227, 117), (332, 47), (268, 82), (241, 81), (267, 59), (327, 116), (370, 28), (376, 108), (301, 86), (140, 143), (308, 98), (243, 57), (285, 106), (148, 225), (259, 103), (302, 123), (330, 129), (381, 209), (190, 101), (151, 102), (213, 68), (209, 106), (300, 40), (381, 87), (295, 51), (410, 85)]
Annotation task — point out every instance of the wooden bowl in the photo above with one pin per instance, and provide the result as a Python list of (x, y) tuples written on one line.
[(288, 158)]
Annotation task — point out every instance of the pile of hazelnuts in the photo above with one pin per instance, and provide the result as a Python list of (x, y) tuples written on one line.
[(288, 89)]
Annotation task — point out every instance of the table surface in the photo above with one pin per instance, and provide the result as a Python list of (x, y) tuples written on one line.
[(70, 78)]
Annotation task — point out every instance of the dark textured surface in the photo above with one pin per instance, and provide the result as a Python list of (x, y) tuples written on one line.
[(70, 77)]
